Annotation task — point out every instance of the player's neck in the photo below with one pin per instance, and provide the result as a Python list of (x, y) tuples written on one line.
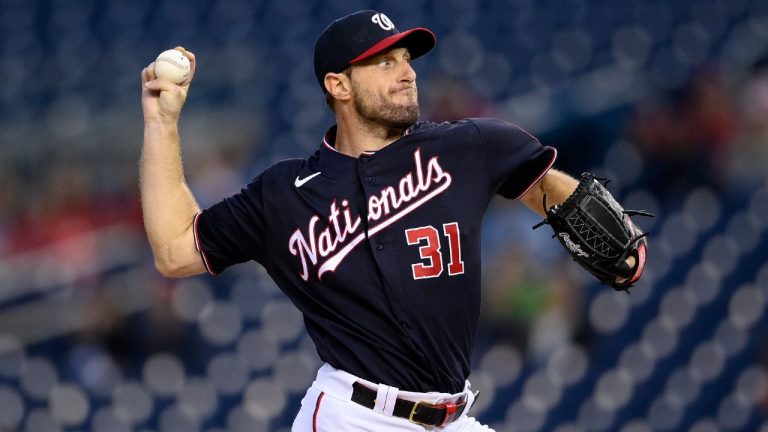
[(355, 135)]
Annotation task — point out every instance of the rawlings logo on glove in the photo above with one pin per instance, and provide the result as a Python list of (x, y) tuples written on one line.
[(573, 247), (599, 234)]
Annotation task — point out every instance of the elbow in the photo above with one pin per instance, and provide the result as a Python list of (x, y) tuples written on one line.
[(174, 265), (169, 269), (177, 257)]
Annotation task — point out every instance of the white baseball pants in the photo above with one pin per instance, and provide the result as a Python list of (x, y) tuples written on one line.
[(327, 407)]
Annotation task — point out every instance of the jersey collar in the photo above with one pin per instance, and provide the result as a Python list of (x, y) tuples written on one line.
[(335, 164), (329, 139)]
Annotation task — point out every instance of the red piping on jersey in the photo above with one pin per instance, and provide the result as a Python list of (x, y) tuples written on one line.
[(551, 162), (199, 247), (330, 146), (365, 153), (332, 131), (317, 409)]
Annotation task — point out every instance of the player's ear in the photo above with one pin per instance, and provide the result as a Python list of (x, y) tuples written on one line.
[(338, 85)]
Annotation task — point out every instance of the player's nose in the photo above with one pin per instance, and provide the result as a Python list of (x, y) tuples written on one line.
[(407, 73)]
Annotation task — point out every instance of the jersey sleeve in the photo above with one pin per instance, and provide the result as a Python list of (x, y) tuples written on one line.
[(514, 160), (233, 230)]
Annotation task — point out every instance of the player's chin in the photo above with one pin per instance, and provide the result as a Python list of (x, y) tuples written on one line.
[(407, 115), (406, 103), (408, 96)]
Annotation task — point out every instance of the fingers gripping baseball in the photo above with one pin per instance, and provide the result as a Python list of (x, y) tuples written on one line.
[(163, 99)]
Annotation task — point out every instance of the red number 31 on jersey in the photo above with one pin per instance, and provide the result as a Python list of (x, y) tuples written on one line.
[(430, 248)]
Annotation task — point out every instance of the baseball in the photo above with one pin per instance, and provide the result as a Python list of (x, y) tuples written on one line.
[(172, 65)]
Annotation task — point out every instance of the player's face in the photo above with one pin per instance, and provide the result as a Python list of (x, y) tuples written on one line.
[(384, 89)]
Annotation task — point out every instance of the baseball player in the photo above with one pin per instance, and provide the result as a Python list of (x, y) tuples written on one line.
[(375, 237)]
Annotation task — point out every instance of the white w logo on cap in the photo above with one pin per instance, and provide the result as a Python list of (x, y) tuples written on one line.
[(383, 21)]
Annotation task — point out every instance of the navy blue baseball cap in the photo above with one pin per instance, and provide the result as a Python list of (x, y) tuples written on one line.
[(362, 35)]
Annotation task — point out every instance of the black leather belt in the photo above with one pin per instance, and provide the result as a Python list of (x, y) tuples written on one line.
[(423, 413)]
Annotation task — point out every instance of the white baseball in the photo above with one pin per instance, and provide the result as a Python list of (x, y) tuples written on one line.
[(172, 65)]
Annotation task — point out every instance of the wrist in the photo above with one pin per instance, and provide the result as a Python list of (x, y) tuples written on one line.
[(161, 121)]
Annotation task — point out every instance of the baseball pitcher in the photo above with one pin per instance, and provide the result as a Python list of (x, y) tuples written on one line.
[(375, 237)]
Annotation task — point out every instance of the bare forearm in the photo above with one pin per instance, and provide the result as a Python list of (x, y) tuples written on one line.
[(555, 185), (558, 186), (167, 203)]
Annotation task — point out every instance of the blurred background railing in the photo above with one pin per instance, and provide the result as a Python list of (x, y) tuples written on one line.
[(669, 99)]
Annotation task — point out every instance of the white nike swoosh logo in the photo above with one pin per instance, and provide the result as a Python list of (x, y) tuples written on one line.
[(300, 181)]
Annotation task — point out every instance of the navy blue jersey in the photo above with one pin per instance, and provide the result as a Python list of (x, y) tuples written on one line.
[(381, 253)]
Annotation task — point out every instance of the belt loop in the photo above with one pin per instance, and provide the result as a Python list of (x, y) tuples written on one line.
[(386, 397), (471, 396)]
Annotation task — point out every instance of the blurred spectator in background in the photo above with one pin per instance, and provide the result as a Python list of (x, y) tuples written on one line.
[(447, 98), (223, 149), (60, 215), (10, 202), (61, 211), (686, 136), (535, 309), (748, 160)]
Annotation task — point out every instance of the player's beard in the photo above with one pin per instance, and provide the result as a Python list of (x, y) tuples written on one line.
[(381, 111)]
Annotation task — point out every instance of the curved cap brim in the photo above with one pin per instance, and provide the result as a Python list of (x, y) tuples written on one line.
[(419, 41)]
